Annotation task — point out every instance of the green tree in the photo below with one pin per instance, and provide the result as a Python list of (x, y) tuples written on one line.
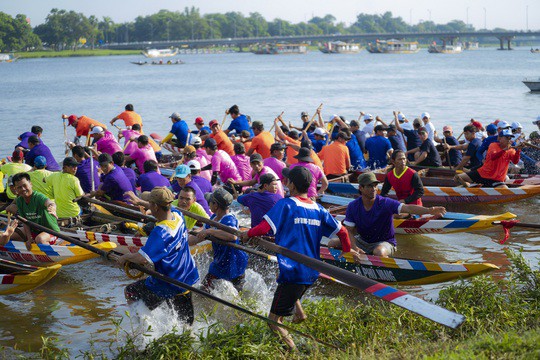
[(16, 34)]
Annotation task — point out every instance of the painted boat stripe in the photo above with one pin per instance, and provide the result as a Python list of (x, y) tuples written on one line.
[(417, 265)]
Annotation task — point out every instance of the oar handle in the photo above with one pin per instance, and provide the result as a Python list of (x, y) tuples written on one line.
[(136, 214)]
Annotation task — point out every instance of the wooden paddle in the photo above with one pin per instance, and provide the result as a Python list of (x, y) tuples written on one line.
[(112, 256), (278, 117), (447, 153), (460, 135), (65, 137), (135, 215), (224, 118), (531, 145), (313, 117), (330, 132), (379, 290)]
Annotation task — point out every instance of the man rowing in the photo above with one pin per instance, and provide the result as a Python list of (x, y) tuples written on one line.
[(471, 156), (38, 148), (259, 202), (179, 129), (105, 141), (258, 169), (299, 225), (114, 182), (129, 116), (85, 169), (369, 219), (426, 154), (262, 141), (239, 123), (405, 181), (82, 125), (66, 187), (167, 250)]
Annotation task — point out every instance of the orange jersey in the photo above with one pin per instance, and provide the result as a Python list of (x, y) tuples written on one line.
[(83, 126), (130, 118), (291, 153), (261, 144), (496, 164), (223, 142), (336, 159), (316, 160)]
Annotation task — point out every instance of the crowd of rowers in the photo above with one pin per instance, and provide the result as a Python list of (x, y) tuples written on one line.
[(276, 175)]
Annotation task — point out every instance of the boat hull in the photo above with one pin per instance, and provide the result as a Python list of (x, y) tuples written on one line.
[(532, 85), (24, 278), (402, 271)]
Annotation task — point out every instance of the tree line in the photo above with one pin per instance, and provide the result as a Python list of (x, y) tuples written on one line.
[(64, 29)]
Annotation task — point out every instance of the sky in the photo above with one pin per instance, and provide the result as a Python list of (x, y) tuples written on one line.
[(508, 14)]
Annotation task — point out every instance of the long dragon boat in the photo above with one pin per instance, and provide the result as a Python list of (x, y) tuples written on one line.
[(403, 271), (459, 195), (451, 222), (16, 278)]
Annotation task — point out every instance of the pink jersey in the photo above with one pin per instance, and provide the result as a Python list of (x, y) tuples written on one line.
[(140, 155), (108, 144), (129, 147), (276, 165), (207, 174), (202, 153), (317, 175), (222, 163), (268, 170), (242, 165)]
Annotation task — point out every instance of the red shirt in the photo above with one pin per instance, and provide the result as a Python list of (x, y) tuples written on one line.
[(497, 160), (402, 184)]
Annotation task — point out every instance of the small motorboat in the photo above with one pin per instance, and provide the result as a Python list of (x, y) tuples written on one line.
[(532, 84)]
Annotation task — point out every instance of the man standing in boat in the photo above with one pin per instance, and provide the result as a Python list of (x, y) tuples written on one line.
[(82, 125), (180, 130), (240, 121), (129, 116), (167, 251)]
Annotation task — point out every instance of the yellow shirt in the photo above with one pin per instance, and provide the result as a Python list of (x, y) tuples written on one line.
[(38, 178), (10, 169), (65, 187), (195, 208)]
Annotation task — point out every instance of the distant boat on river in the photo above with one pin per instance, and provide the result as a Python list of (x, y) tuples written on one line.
[(533, 84), (158, 53), (535, 51), (393, 46), (445, 49), (340, 47), (281, 49), (8, 58), (471, 45), (160, 62)]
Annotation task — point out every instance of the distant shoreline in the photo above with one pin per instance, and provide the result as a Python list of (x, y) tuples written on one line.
[(76, 53)]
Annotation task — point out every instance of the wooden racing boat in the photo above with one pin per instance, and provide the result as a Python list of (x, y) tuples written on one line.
[(45, 255), (402, 271), (450, 223), (16, 278), (459, 195)]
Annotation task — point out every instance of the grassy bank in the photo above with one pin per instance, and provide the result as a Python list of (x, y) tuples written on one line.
[(79, 52), (503, 322)]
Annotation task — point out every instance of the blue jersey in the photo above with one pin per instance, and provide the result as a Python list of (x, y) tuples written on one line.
[(180, 129), (356, 154), (299, 226), (377, 147), (472, 149), (481, 151), (229, 263), (167, 249), (239, 124)]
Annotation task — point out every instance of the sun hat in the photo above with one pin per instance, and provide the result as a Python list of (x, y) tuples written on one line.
[(182, 171), (161, 196), (367, 179), (304, 154)]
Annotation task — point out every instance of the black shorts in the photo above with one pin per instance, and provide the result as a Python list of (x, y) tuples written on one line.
[(285, 297), (208, 282), (181, 303), (475, 177)]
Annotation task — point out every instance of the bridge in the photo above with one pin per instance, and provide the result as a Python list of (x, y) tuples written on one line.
[(451, 37)]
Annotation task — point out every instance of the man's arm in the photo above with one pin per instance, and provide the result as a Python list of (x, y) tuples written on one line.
[(437, 211), (421, 157), (464, 160), (324, 185)]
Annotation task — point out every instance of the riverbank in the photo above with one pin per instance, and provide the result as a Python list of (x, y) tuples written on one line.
[(75, 53)]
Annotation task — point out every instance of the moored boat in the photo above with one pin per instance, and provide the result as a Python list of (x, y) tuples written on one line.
[(340, 47), (8, 58), (16, 278), (402, 271), (445, 49), (535, 51), (44, 255), (281, 49), (157, 53), (532, 84), (471, 45), (458, 195), (393, 46)]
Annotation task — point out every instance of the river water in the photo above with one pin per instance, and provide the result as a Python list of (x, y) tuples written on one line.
[(78, 304)]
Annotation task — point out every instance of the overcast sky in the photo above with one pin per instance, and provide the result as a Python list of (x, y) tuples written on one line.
[(509, 14)]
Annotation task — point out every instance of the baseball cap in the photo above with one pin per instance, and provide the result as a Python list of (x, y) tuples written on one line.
[(255, 158), (417, 122), (96, 130), (40, 162), (422, 130), (210, 143), (17, 155), (332, 117), (267, 179), (72, 119), (491, 129), (368, 117), (277, 146), (199, 120), (319, 131), (196, 140), (425, 115), (221, 197), (367, 178), (401, 117), (391, 127), (447, 128), (379, 128), (70, 161), (516, 125), (506, 133), (503, 125), (300, 176), (304, 114), (182, 171), (176, 116), (161, 196), (477, 124), (304, 154), (213, 123), (189, 149), (194, 165)]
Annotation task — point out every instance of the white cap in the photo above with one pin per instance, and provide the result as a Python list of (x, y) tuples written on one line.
[(516, 125), (401, 116), (332, 117), (424, 115), (96, 130), (194, 165), (195, 140), (502, 125), (319, 131), (368, 117)]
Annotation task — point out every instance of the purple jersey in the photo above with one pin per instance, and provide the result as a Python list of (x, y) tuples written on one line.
[(115, 184), (85, 176), (150, 180), (259, 203)]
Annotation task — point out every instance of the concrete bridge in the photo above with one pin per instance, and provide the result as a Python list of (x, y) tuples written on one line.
[(451, 37)]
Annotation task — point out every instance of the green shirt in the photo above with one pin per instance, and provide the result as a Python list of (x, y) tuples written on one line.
[(36, 211), (10, 169), (64, 188), (37, 178), (195, 208)]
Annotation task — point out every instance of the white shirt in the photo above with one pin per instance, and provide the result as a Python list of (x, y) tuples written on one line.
[(368, 129), (431, 130)]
